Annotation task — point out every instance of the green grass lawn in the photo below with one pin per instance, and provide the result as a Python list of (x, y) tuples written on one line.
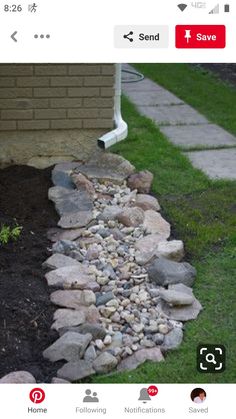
[(202, 214), (199, 88)]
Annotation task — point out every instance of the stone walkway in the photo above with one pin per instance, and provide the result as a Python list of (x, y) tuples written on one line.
[(186, 128)]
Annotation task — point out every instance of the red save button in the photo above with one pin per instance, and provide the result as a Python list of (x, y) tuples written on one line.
[(200, 36)]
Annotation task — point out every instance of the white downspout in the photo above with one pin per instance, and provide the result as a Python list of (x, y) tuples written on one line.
[(121, 130)]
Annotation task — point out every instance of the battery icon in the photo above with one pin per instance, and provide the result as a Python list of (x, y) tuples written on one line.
[(227, 8)]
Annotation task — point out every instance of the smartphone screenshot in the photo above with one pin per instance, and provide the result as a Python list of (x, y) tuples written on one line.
[(117, 209)]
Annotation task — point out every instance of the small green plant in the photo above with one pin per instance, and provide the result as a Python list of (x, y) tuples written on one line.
[(7, 233)]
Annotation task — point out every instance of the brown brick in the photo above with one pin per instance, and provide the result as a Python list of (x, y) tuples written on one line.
[(15, 114), (23, 103), (98, 102), (84, 69), (50, 70), (108, 69), (107, 91), (49, 92), (67, 81), (7, 81), (98, 123), (66, 103), (16, 70), (7, 125), (83, 92), (99, 81), (90, 113), (66, 124), (33, 81), (32, 125), (49, 113)]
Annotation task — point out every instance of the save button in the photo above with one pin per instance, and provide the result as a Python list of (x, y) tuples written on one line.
[(200, 36)]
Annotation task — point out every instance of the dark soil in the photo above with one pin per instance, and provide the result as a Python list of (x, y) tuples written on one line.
[(25, 309), (226, 72)]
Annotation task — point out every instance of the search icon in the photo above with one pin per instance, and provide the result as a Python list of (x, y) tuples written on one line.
[(211, 358)]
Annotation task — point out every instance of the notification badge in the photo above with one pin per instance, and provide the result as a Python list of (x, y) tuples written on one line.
[(37, 395)]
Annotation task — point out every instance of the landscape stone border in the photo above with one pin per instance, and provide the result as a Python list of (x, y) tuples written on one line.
[(121, 290)]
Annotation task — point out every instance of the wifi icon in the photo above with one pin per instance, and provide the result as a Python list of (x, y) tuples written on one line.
[(182, 7)]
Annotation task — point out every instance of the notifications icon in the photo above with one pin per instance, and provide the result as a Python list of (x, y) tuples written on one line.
[(37, 395)]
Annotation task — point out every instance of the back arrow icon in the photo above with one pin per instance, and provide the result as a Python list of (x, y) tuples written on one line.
[(13, 36)]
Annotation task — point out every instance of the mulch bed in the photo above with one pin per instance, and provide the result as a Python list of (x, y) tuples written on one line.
[(25, 309)]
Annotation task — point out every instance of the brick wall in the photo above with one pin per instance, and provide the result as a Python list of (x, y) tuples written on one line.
[(56, 96)]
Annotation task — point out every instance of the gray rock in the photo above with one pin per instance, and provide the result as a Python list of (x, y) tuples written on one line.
[(139, 357), (58, 260), (109, 271), (158, 338), (82, 183), (56, 193), (185, 313), (117, 234), (173, 250), (90, 354), (131, 217), (110, 213), (102, 299), (96, 330), (147, 202), (105, 363), (61, 174), (56, 380), (76, 220), (70, 277), (71, 347), (65, 318), (141, 181), (146, 248), (155, 223), (73, 299), (176, 298), (164, 272), (173, 339), (117, 339), (74, 371), (57, 234), (64, 247), (18, 377), (74, 202), (107, 167)]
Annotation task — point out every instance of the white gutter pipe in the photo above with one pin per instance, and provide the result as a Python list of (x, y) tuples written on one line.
[(121, 130)]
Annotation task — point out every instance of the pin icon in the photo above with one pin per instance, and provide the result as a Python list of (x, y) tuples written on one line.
[(37, 395)]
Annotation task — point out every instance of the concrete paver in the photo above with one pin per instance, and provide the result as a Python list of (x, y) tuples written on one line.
[(173, 115), (208, 135), (217, 164)]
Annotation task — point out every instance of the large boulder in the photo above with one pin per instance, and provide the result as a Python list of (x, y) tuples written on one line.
[(105, 363), (18, 377), (185, 312), (71, 347), (131, 217), (76, 370), (142, 181), (164, 272), (73, 298), (154, 223), (146, 202), (139, 357)]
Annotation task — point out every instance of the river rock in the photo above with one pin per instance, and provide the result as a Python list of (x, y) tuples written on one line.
[(71, 347), (131, 217), (142, 181), (154, 223), (139, 357), (164, 272), (146, 202), (105, 363), (76, 220), (102, 299), (73, 299), (73, 371), (18, 377), (64, 247)]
